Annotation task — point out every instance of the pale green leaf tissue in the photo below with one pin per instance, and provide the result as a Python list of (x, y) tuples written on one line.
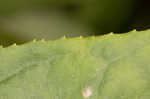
[(114, 66)]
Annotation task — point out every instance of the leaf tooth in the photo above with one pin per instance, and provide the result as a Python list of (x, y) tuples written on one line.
[(34, 40), (43, 40), (111, 33), (134, 30), (81, 37), (1, 46), (64, 37), (93, 37), (14, 44)]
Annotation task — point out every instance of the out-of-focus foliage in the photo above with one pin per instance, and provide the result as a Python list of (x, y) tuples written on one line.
[(23, 20), (107, 67), (142, 19)]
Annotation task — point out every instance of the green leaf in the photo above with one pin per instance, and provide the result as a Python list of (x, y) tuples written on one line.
[(114, 66)]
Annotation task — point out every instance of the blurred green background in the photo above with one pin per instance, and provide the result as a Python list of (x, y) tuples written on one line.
[(25, 20)]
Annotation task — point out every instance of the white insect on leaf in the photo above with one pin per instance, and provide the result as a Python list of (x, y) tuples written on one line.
[(87, 92)]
